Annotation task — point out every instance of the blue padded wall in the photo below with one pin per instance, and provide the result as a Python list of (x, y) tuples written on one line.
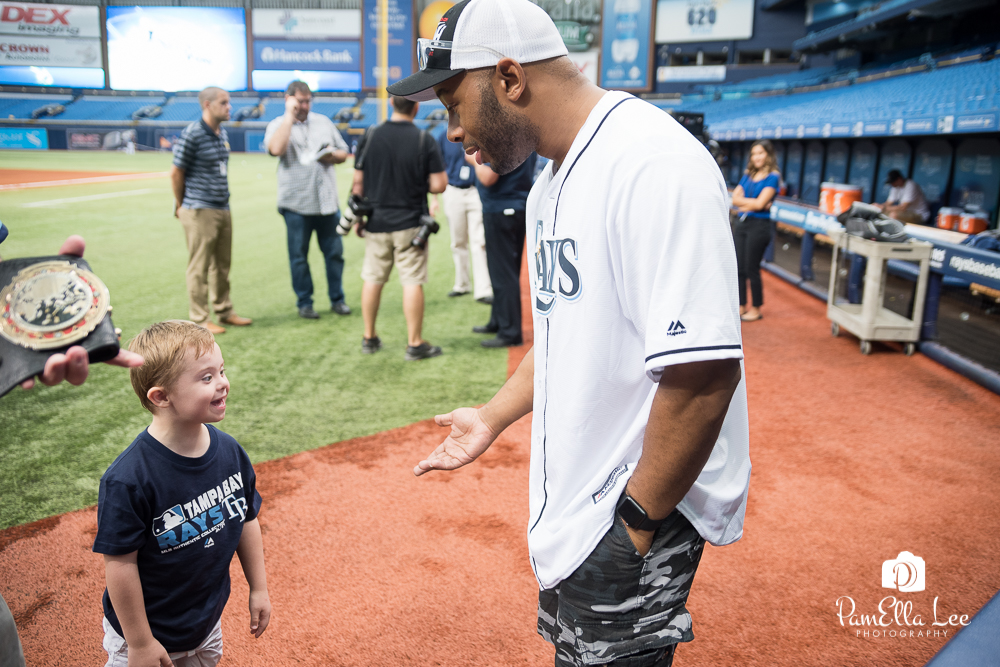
[(812, 172), (793, 169), (977, 175), (836, 162), (931, 168), (864, 157), (779, 155)]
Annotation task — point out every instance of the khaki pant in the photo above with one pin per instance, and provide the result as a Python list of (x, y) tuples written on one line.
[(209, 234), (909, 217), (207, 654), (464, 211)]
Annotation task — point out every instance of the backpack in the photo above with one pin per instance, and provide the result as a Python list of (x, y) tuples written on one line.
[(868, 222)]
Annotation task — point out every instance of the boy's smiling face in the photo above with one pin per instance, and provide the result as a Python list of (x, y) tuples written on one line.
[(200, 390)]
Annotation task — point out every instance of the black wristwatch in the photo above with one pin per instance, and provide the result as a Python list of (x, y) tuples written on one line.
[(634, 515)]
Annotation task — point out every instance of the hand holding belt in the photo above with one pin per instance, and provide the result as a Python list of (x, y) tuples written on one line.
[(48, 304)]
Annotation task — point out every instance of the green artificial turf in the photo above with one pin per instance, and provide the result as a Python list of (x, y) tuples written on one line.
[(296, 384)]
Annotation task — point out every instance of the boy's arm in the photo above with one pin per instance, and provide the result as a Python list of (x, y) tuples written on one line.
[(125, 590), (251, 553)]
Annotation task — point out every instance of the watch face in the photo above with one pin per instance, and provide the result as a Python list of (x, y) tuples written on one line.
[(51, 305), (631, 512)]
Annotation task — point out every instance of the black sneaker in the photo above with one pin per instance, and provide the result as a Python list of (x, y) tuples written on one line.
[(308, 313), (488, 300), (500, 341), (485, 329), (341, 308), (371, 345), (423, 351), (456, 292)]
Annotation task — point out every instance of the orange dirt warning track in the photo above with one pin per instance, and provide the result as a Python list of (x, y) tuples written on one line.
[(855, 460), (19, 179)]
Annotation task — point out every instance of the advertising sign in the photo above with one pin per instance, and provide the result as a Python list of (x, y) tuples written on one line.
[(319, 56), (307, 23), (49, 52), (625, 50), (278, 79), (29, 19), (98, 140), (68, 77), (691, 73), (680, 21), (579, 23), (176, 48), (23, 138), (402, 50)]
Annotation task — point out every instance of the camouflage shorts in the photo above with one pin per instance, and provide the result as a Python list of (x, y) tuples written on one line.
[(621, 609)]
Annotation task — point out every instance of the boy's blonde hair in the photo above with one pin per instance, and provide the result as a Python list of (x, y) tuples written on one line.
[(163, 346)]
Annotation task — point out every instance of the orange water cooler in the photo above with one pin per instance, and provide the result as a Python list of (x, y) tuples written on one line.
[(948, 218), (973, 223), (843, 196)]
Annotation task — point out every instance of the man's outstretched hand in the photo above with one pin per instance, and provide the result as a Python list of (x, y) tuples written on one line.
[(74, 366), (470, 436)]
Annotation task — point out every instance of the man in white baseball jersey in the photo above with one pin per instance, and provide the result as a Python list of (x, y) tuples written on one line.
[(640, 443)]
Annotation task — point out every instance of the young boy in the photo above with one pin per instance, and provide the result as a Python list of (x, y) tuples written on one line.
[(173, 508)]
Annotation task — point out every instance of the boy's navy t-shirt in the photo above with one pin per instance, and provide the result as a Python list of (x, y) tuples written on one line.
[(185, 517)]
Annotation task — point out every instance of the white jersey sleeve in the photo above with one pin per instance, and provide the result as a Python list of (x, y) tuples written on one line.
[(682, 296)]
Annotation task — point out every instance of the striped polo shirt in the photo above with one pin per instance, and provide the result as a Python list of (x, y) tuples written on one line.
[(204, 157)]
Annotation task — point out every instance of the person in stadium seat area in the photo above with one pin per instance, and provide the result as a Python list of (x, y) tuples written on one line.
[(199, 177), (308, 146), (635, 380), (906, 201), (397, 165), (752, 230)]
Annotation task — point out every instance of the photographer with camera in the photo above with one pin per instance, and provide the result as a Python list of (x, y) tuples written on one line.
[(397, 165)]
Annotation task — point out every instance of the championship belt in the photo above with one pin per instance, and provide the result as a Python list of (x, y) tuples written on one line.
[(48, 304)]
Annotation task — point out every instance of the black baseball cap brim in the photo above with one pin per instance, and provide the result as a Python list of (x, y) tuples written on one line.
[(419, 87)]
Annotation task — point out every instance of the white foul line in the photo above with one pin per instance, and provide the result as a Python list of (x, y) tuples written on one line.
[(71, 200), (110, 178)]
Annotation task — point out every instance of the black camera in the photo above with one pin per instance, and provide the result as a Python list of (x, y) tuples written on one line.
[(357, 211), (428, 226)]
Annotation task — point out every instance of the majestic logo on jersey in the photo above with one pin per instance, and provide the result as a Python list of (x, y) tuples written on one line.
[(556, 273), (676, 329)]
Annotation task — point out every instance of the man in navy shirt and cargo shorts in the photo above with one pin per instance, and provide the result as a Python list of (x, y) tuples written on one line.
[(639, 442), (199, 177)]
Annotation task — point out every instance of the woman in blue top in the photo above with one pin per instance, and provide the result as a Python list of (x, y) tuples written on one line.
[(752, 231)]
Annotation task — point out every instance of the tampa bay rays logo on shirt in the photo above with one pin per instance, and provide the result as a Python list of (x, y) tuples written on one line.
[(556, 272), (186, 523)]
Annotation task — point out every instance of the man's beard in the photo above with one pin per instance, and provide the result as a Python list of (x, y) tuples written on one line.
[(507, 137)]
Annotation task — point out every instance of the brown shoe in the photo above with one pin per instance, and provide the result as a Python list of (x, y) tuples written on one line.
[(214, 328), (236, 320)]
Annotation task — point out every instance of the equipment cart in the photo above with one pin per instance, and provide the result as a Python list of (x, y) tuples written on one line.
[(869, 320)]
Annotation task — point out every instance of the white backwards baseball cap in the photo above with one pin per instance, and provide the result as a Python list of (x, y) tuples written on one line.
[(478, 33)]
